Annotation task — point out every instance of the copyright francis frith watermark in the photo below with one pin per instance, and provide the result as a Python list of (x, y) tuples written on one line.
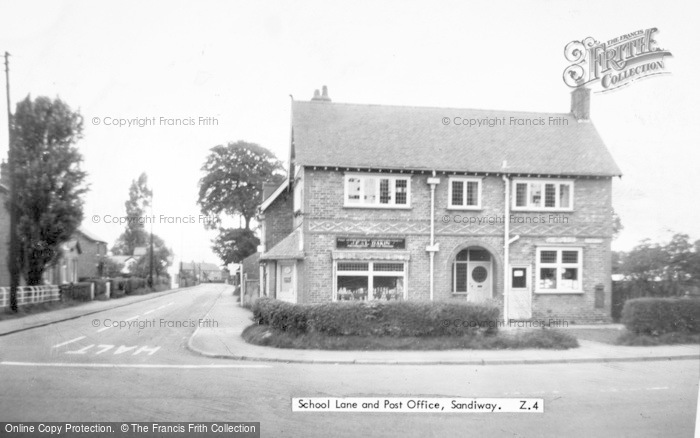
[(614, 63)]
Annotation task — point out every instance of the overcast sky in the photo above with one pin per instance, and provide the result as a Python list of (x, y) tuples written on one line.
[(240, 61)]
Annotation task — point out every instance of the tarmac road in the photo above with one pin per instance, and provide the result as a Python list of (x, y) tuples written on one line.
[(82, 370)]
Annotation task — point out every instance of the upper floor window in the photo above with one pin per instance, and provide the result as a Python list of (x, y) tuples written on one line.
[(464, 193), (543, 195), (377, 191)]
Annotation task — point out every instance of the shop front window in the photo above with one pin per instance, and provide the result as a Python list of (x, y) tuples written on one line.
[(362, 281)]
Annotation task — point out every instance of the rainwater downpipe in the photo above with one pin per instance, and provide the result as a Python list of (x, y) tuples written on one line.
[(506, 246), (432, 248)]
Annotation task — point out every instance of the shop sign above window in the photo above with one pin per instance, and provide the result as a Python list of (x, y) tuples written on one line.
[(370, 243)]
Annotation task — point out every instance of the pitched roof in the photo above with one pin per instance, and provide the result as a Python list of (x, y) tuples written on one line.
[(90, 236), (287, 249), (405, 137)]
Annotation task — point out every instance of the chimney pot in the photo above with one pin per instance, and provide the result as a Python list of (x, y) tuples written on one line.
[(581, 103)]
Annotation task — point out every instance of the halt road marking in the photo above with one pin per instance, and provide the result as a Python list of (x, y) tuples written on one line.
[(69, 342), (127, 365)]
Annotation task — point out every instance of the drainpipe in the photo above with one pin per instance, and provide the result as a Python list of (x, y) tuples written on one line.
[(433, 247), (506, 246)]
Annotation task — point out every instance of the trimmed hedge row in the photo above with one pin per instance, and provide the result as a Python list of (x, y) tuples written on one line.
[(361, 318), (76, 291), (658, 316)]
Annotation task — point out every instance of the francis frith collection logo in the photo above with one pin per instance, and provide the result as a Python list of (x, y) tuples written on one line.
[(614, 63)]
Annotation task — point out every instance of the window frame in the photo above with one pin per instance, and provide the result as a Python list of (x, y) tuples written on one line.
[(542, 181), (378, 177), (464, 181), (370, 273), (558, 264)]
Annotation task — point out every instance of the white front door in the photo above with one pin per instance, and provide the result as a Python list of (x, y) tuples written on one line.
[(479, 281), (286, 276), (519, 293)]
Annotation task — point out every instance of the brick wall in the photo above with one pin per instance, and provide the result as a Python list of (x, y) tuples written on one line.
[(588, 227), (279, 220)]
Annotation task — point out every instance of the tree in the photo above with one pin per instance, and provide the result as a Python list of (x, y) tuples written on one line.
[(135, 234), (617, 224), (109, 268), (162, 259), (234, 244), (48, 180), (234, 178)]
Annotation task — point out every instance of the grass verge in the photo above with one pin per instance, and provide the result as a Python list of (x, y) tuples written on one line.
[(544, 339)]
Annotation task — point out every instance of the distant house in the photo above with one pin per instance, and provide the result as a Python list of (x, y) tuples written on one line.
[(204, 272), (80, 258), (126, 261)]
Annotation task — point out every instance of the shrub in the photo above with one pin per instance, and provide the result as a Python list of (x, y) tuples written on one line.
[(76, 291), (657, 316), (398, 318)]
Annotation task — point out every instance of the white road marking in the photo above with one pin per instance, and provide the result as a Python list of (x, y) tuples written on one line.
[(657, 388), (123, 349), (164, 305), (133, 317), (126, 365), (104, 348), (150, 311), (82, 350), (69, 342), (104, 328)]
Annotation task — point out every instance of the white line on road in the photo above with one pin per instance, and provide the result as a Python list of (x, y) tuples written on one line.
[(69, 342), (125, 365), (150, 311), (164, 305), (104, 328), (133, 317)]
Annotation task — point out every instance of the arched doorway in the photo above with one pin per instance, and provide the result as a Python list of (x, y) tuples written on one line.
[(472, 274)]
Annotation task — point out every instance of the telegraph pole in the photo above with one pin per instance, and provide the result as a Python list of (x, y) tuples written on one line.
[(14, 217), (151, 260)]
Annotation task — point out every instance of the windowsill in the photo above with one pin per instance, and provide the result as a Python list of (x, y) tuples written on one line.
[(460, 293), (457, 207), (559, 292), (541, 210), (379, 207)]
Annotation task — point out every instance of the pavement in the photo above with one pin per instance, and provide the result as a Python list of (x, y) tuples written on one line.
[(225, 341), (15, 325)]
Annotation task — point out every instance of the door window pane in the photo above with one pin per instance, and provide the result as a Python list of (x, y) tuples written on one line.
[(518, 278)]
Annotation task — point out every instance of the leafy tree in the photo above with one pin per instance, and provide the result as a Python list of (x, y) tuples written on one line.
[(234, 178), (617, 224), (48, 180), (162, 259), (136, 206), (234, 244), (109, 268)]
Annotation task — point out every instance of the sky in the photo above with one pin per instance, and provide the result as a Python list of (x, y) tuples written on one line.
[(239, 62)]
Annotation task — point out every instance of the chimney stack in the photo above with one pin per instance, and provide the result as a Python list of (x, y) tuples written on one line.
[(581, 103), (318, 97)]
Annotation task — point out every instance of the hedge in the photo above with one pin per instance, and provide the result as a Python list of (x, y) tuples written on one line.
[(657, 316), (76, 291), (361, 318)]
